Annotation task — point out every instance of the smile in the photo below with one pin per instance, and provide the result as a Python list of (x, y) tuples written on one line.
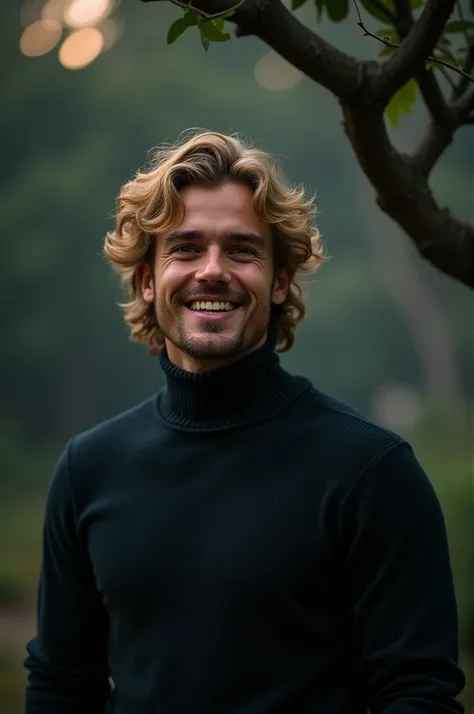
[(208, 306)]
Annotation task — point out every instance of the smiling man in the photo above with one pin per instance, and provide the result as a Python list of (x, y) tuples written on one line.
[(240, 542), (213, 281)]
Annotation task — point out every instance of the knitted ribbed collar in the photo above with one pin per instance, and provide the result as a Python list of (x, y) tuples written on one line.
[(246, 392)]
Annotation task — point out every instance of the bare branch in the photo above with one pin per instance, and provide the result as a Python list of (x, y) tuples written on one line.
[(448, 78), (415, 49), (439, 135), (429, 58), (206, 15), (403, 193), (468, 67)]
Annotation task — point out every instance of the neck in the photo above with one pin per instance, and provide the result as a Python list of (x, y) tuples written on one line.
[(254, 388)]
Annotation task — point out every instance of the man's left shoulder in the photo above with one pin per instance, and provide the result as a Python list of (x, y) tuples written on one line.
[(345, 430)]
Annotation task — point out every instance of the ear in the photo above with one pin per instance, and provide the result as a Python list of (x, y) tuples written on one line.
[(146, 283), (281, 287)]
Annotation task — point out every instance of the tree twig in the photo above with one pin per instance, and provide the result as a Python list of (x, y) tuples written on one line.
[(415, 49), (206, 15), (448, 78), (430, 58)]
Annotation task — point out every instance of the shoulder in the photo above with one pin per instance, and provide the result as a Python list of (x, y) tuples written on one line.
[(339, 435), (345, 424), (96, 452)]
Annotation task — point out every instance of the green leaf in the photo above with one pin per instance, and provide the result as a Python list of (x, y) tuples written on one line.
[(219, 23), (204, 41), (376, 12), (211, 32), (192, 17), (337, 10), (445, 58), (177, 28), (459, 26), (445, 41), (227, 14), (297, 3), (386, 51), (416, 4), (319, 7), (401, 102), (388, 33)]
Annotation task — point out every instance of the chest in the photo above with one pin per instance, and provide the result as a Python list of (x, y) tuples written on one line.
[(228, 524)]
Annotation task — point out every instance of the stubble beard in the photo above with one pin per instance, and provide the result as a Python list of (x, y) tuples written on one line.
[(225, 347)]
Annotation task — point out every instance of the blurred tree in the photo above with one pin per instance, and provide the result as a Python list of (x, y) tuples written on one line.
[(417, 36)]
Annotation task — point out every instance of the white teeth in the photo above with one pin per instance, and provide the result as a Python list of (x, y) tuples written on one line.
[(211, 306)]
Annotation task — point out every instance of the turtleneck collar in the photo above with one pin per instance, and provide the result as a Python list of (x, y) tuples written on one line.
[(254, 389)]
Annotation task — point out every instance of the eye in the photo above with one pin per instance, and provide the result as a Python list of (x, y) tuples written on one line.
[(185, 248), (243, 250)]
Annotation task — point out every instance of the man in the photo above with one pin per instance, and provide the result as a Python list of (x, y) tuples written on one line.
[(239, 543)]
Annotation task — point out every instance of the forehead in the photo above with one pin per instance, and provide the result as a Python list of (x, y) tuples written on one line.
[(221, 209)]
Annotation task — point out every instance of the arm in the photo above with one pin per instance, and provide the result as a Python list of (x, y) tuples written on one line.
[(67, 660), (399, 583)]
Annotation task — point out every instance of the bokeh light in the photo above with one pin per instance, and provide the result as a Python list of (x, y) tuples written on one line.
[(112, 31), (30, 12), (81, 48), (54, 10), (276, 74), (86, 13), (40, 37)]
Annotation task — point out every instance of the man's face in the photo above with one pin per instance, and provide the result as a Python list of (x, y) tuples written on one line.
[(213, 281)]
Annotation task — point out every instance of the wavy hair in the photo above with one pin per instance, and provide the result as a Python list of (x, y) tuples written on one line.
[(149, 205)]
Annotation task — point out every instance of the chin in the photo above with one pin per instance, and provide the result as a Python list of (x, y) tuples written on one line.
[(212, 346)]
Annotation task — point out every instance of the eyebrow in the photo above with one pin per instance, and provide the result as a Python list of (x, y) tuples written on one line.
[(199, 235)]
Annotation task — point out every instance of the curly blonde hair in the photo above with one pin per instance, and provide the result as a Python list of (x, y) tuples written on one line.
[(149, 205)]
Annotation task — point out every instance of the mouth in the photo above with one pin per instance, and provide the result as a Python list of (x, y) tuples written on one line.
[(212, 307)]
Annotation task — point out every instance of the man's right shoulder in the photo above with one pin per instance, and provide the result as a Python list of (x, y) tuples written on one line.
[(110, 440)]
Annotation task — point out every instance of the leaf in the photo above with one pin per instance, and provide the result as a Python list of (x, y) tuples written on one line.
[(445, 58), (204, 41), (295, 4), (192, 17), (376, 12), (459, 26), (337, 10), (388, 33), (445, 41), (226, 15), (416, 4), (177, 28), (219, 23), (211, 32), (319, 7), (401, 102), (386, 51)]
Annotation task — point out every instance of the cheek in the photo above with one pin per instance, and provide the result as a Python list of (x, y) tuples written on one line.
[(169, 279)]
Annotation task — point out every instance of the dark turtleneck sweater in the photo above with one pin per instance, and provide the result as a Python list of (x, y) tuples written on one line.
[(243, 544)]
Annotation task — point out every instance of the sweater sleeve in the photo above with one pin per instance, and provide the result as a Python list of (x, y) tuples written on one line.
[(67, 660), (400, 588)]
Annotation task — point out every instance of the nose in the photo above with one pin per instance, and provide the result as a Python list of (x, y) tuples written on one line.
[(212, 267)]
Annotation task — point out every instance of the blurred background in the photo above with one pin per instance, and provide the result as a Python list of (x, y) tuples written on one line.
[(88, 88)]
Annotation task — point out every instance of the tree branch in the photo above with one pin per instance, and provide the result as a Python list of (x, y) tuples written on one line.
[(439, 135), (432, 58), (275, 25), (400, 184), (202, 13), (403, 193), (468, 67), (414, 49)]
